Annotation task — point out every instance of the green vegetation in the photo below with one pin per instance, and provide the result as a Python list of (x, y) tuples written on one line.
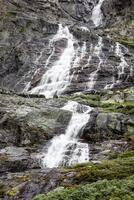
[(101, 190), (126, 42), (116, 101), (109, 180), (120, 107), (90, 99), (118, 168), (11, 192)]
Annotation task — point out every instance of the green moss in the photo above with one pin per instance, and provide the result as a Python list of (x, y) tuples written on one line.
[(125, 41), (91, 100), (11, 193), (127, 154), (121, 107), (2, 190), (107, 101), (101, 190), (109, 180), (118, 168)]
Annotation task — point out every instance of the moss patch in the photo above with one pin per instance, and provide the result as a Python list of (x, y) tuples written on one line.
[(118, 168), (126, 41), (121, 101), (90, 99), (120, 107), (110, 180), (101, 190)]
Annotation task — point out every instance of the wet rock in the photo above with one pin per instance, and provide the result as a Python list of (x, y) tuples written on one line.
[(29, 121), (26, 37), (16, 159), (105, 149), (113, 8), (25, 121), (25, 185), (105, 126)]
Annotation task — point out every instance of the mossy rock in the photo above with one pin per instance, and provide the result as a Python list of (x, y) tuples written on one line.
[(121, 101)]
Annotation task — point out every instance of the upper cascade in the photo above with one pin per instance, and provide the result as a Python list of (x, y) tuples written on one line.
[(57, 78), (97, 52), (81, 65), (76, 58), (97, 15), (122, 66), (63, 54)]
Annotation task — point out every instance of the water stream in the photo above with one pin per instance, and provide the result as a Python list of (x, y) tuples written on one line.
[(57, 78), (97, 52), (121, 67), (67, 149), (97, 15)]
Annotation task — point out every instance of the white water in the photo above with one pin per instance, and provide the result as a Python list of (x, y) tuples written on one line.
[(97, 15), (38, 57), (57, 78), (97, 51), (66, 149), (83, 50), (79, 54), (121, 67), (90, 57), (83, 28), (80, 153), (123, 62)]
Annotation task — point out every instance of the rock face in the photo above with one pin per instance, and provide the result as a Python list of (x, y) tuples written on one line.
[(30, 122), (27, 32), (27, 125), (54, 48)]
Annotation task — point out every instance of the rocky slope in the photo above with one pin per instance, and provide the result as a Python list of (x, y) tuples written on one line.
[(28, 122), (27, 28), (100, 75)]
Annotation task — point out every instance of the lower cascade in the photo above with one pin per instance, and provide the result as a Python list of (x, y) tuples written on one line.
[(67, 149)]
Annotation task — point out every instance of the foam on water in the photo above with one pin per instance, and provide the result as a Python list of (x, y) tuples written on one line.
[(67, 149), (57, 78)]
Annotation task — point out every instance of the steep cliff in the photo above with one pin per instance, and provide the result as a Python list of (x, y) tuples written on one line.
[(66, 97), (28, 27)]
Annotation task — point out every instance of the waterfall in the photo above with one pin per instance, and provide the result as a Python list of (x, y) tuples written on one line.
[(83, 50), (123, 62), (57, 78), (97, 15), (121, 67), (97, 51), (67, 149)]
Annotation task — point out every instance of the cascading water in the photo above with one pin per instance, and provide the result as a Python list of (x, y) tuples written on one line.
[(97, 15), (121, 67), (123, 62), (57, 78), (67, 149), (83, 50), (97, 52), (80, 54)]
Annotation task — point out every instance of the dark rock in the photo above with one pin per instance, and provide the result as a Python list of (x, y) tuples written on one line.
[(105, 126), (25, 121), (16, 159), (25, 43)]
